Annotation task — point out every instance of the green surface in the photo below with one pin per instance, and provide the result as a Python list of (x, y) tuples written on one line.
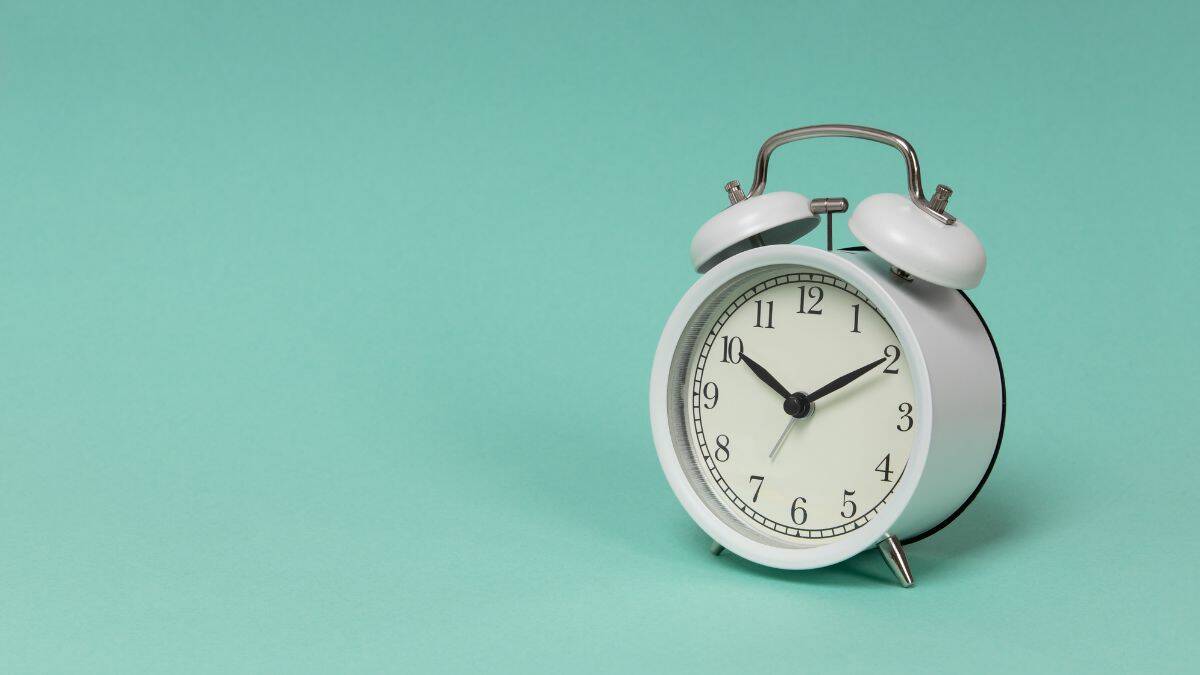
[(325, 332)]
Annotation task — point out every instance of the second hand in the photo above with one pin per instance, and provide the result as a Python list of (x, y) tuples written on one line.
[(786, 430)]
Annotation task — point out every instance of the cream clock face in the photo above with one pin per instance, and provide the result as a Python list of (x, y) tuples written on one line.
[(801, 412)]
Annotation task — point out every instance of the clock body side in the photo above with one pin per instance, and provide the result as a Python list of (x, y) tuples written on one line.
[(966, 382)]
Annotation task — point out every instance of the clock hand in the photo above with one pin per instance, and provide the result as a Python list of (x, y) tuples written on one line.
[(765, 376), (786, 430), (843, 380), (800, 403)]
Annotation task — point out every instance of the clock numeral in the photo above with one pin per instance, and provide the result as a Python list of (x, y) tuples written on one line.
[(731, 349), (848, 504), (885, 468), (892, 352), (770, 313), (855, 329), (814, 293), (906, 420), (797, 508), (722, 453), (711, 393), (757, 488)]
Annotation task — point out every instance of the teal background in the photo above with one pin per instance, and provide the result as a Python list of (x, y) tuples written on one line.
[(325, 331)]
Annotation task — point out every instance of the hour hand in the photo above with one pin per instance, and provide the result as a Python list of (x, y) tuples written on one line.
[(763, 375)]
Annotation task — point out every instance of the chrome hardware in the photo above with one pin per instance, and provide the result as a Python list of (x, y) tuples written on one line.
[(734, 189), (893, 554), (829, 206), (940, 196), (913, 167)]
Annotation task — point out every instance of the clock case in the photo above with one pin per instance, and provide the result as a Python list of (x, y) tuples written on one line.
[(957, 372), (989, 385)]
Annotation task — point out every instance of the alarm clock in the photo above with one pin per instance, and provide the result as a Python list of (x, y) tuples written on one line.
[(808, 404)]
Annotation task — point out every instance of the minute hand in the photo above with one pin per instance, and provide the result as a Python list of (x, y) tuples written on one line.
[(844, 380)]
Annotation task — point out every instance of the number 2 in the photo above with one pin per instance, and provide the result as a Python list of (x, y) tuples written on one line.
[(892, 352)]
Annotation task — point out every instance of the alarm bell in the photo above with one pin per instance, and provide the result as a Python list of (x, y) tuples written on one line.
[(775, 218), (917, 236), (895, 229)]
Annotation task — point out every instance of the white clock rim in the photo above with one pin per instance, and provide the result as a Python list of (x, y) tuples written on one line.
[(782, 557)]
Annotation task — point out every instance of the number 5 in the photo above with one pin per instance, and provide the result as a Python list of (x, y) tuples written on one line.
[(848, 504)]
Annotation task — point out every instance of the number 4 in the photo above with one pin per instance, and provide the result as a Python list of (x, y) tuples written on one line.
[(885, 468)]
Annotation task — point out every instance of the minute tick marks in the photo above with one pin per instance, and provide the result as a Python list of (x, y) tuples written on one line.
[(776, 449)]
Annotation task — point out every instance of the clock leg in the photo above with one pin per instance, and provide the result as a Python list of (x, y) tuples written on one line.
[(893, 554), (716, 549)]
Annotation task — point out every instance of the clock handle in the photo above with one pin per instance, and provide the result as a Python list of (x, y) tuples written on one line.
[(935, 208)]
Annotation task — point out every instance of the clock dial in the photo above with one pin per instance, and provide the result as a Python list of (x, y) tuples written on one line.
[(802, 412)]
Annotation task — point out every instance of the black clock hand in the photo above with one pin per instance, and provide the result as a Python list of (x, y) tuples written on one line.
[(843, 380), (766, 377)]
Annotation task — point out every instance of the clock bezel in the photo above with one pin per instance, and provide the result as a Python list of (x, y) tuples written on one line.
[(709, 512)]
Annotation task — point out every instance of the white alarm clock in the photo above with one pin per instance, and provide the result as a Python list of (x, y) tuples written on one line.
[(810, 404)]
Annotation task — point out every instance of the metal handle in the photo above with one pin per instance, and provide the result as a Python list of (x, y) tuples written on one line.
[(915, 192)]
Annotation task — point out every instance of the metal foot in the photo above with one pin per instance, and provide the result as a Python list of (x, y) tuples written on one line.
[(893, 554), (716, 549)]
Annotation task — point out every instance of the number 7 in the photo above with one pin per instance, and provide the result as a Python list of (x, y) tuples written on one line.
[(757, 489)]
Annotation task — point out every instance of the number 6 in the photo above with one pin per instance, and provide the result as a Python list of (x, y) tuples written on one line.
[(803, 512)]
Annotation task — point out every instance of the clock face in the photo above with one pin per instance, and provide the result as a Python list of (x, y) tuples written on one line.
[(800, 406)]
